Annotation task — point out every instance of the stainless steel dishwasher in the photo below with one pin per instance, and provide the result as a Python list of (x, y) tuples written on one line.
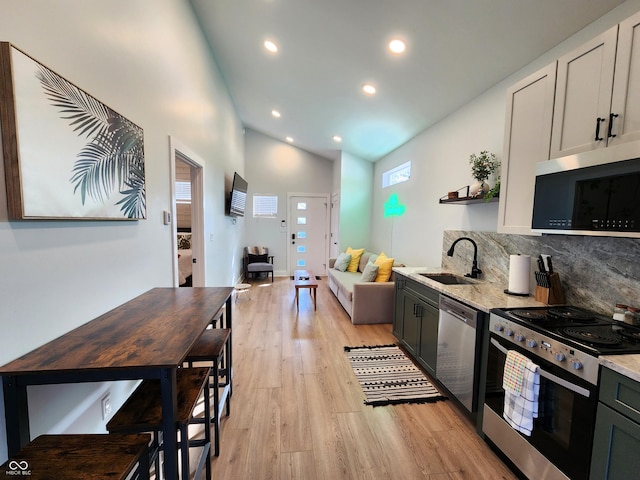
[(458, 341)]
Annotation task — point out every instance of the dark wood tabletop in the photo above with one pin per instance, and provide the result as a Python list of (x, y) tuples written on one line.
[(147, 337), (155, 329)]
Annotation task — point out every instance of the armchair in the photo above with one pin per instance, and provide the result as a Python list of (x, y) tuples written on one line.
[(257, 260)]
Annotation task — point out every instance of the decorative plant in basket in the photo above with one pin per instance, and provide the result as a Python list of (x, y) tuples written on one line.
[(482, 166)]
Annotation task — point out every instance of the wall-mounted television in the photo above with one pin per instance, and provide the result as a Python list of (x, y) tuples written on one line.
[(238, 198)]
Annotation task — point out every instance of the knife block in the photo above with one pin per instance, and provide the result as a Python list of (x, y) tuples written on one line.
[(554, 295)]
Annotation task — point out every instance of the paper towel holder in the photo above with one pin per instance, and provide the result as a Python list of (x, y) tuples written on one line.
[(526, 272)]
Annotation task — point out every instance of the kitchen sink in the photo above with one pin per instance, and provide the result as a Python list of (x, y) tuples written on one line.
[(449, 278)]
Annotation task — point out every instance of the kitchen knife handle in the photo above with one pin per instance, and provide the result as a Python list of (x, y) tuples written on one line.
[(598, 121), (549, 264), (541, 264)]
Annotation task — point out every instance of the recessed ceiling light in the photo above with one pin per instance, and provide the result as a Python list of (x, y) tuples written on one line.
[(397, 46), (275, 113), (271, 46), (337, 138), (368, 89), (289, 139)]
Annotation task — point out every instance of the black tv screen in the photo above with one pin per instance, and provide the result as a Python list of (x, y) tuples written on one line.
[(238, 198)]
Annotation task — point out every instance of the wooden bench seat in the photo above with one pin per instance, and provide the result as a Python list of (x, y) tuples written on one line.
[(142, 412), (214, 347), (81, 457)]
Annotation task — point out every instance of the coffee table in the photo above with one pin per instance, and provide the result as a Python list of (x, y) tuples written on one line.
[(305, 279)]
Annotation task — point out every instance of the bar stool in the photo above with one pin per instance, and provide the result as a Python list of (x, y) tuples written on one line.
[(82, 457), (142, 412), (214, 347)]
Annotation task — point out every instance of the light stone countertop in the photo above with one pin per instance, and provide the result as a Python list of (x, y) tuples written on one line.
[(485, 295), (627, 365), (481, 294)]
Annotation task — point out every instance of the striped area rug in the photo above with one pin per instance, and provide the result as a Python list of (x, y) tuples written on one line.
[(387, 376)]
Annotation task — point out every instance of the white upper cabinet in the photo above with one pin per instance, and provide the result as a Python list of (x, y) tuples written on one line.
[(625, 102), (583, 96), (598, 92), (526, 141)]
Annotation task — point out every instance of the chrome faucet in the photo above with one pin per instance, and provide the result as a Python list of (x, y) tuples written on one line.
[(475, 271)]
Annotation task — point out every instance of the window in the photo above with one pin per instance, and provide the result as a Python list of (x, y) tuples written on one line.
[(183, 192), (265, 206), (399, 174)]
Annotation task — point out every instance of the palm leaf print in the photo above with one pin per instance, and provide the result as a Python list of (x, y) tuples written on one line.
[(113, 158)]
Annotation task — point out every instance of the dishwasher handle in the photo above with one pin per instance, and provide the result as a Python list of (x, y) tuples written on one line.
[(460, 311)]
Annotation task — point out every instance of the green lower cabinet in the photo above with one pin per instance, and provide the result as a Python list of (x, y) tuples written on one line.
[(412, 324), (616, 443), (415, 322), (428, 351), (397, 324), (616, 447)]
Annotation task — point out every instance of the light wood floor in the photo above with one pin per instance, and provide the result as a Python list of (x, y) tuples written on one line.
[(297, 410)]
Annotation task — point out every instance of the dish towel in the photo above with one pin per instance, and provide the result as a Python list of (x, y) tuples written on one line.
[(521, 383)]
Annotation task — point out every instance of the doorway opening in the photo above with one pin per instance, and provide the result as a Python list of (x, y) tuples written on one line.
[(188, 216)]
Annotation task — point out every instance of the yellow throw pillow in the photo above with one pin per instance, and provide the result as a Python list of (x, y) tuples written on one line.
[(355, 258), (384, 267)]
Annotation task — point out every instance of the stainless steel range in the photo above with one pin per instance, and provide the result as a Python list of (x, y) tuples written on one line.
[(565, 343)]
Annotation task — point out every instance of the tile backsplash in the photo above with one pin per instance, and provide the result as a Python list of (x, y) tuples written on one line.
[(595, 272)]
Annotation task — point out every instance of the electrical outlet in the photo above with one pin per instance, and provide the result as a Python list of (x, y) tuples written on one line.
[(106, 406)]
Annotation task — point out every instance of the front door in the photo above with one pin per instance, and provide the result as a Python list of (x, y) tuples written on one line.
[(335, 225), (308, 233)]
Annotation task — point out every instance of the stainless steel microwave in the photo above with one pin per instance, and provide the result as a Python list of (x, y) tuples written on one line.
[(576, 197)]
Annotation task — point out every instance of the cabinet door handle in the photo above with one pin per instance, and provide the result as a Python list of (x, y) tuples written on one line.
[(598, 121), (611, 117)]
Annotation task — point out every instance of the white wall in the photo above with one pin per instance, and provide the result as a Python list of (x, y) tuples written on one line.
[(279, 168), (356, 180), (440, 157), (147, 60)]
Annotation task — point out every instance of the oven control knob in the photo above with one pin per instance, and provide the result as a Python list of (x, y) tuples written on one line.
[(576, 364), (560, 357), (498, 327), (531, 343), (518, 337), (508, 332)]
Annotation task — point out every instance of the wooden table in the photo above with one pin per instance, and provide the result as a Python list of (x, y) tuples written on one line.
[(305, 279), (145, 338)]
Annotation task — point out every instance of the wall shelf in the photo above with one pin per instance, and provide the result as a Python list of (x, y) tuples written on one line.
[(467, 200)]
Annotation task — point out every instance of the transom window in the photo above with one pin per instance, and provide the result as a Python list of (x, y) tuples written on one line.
[(399, 174)]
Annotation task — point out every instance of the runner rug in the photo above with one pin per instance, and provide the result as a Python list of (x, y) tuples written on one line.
[(387, 376)]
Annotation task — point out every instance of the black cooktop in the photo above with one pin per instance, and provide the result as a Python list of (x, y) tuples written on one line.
[(598, 334)]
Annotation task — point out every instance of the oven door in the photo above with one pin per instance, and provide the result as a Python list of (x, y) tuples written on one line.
[(563, 431)]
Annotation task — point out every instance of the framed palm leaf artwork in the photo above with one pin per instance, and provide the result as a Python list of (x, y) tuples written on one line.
[(66, 154)]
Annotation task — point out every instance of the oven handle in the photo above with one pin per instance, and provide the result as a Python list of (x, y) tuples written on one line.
[(555, 379)]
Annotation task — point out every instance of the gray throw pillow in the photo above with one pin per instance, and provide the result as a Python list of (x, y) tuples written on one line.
[(370, 273), (342, 262)]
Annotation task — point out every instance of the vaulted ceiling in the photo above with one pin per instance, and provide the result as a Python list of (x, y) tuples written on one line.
[(328, 49)]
